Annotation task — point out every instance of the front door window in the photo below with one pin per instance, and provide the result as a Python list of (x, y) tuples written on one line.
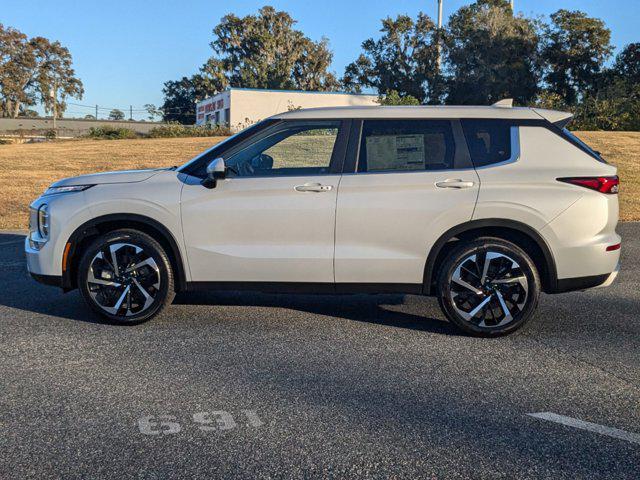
[(295, 150)]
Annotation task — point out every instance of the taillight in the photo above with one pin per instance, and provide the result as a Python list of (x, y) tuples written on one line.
[(609, 185)]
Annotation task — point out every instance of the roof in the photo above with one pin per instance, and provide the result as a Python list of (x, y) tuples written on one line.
[(311, 92), (497, 112), (267, 90)]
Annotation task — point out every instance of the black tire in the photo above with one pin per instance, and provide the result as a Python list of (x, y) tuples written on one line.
[(155, 277), (515, 289)]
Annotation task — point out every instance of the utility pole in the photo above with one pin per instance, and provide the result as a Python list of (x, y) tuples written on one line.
[(96, 111), (439, 46), (130, 113)]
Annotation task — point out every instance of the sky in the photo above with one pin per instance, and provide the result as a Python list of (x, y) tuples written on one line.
[(124, 50)]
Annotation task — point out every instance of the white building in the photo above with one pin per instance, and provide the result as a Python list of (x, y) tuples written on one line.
[(241, 107)]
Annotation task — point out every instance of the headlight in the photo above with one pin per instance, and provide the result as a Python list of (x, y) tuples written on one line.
[(43, 221), (70, 188), (39, 226)]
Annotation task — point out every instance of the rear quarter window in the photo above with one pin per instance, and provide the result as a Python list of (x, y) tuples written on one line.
[(489, 141)]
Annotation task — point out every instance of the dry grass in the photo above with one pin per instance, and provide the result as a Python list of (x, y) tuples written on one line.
[(26, 170)]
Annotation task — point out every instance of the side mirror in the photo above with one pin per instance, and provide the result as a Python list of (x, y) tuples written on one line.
[(215, 170)]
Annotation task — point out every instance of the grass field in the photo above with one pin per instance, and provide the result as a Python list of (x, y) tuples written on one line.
[(27, 169)]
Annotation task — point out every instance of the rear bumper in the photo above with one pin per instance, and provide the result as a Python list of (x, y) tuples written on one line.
[(611, 278), (584, 283)]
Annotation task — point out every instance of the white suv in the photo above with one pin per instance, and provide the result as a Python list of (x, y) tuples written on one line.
[(483, 207)]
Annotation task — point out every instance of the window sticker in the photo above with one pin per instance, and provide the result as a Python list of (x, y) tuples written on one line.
[(396, 152)]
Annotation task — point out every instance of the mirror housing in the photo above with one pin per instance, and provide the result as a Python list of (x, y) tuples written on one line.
[(215, 170)]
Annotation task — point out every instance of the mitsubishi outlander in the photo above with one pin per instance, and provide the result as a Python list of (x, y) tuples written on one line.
[(482, 207)]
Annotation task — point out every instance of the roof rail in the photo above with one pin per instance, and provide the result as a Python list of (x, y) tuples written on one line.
[(504, 103)]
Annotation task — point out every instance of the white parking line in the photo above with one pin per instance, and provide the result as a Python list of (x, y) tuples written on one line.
[(592, 427)]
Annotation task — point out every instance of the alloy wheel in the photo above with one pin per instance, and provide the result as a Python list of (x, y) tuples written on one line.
[(488, 289), (123, 279)]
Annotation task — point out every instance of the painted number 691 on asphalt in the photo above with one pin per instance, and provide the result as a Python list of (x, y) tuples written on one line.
[(218, 420)]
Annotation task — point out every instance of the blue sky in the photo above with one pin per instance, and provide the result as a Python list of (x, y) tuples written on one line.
[(124, 50)]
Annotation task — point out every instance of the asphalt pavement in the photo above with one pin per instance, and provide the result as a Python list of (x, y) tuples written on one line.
[(242, 385)]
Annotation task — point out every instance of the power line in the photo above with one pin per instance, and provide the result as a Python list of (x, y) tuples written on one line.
[(134, 110)]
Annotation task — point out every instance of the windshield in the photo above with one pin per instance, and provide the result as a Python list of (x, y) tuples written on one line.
[(584, 146)]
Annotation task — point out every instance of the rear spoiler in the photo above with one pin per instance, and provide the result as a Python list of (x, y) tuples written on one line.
[(559, 119)]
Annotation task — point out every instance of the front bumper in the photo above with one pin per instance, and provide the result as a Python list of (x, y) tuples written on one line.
[(51, 280), (40, 262)]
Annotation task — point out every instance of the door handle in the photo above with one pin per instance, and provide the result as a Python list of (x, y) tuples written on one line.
[(454, 183), (313, 187)]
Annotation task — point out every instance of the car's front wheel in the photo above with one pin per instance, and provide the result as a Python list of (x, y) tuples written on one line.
[(126, 276), (488, 287)]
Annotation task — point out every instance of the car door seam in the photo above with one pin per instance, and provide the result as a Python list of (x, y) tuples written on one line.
[(335, 229)]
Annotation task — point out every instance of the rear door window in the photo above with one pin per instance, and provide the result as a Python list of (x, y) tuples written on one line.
[(489, 141), (406, 145)]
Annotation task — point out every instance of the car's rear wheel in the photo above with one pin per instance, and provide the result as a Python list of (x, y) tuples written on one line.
[(126, 277), (488, 287)]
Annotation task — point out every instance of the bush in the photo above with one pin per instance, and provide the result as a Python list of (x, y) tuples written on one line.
[(394, 98), (107, 132), (175, 130), (616, 107)]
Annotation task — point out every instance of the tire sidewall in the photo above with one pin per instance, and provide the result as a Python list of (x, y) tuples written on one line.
[(479, 246), (165, 292)]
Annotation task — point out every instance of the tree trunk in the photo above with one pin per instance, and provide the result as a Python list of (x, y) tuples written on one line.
[(16, 109), (7, 110)]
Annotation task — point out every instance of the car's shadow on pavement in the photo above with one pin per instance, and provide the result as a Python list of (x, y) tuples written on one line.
[(361, 308), (19, 291)]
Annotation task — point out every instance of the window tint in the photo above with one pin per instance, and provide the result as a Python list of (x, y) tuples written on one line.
[(406, 145), (489, 141), (295, 149)]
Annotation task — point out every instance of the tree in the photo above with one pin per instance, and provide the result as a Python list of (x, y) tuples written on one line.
[(627, 64), (152, 111), (311, 68), (17, 63), (35, 70), (576, 48), (266, 51), (394, 98), (491, 55), (55, 80), (89, 117), (403, 60), (256, 51), (116, 114), (180, 97), (614, 102)]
